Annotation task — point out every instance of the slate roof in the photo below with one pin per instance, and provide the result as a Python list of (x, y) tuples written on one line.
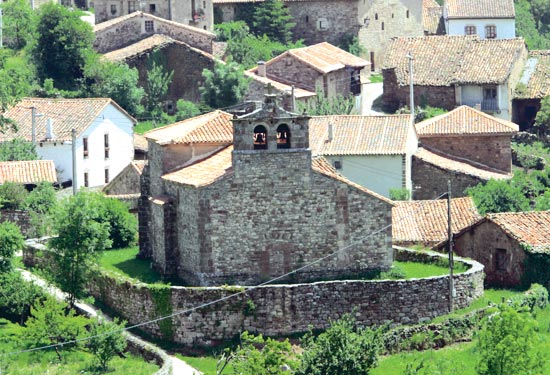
[(27, 172), (528, 228), (323, 57), (451, 164), (432, 18), (66, 114), (444, 60), (147, 45), (480, 9), (212, 127), (425, 222), (465, 120), (536, 76), (359, 135)]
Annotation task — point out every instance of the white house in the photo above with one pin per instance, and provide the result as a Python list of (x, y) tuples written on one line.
[(104, 136), (372, 151), (490, 19)]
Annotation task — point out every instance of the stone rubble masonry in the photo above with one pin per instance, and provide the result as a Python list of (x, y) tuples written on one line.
[(280, 310), (21, 218)]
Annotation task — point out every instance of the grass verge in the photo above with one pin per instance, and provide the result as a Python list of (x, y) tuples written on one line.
[(123, 262)]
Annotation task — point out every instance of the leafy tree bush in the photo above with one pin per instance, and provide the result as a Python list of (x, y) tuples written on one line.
[(158, 82), (509, 344), (350, 43), (42, 198), (251, 49), (224, 86), (122, 225), (322, 106), (537, 36), (273, 19), (402, 194), (186, 109), (11, 240), (17, 296), (343, 349), (17, 149), (18, 23), (106, 342), (498, 196), (13, 196), (542, 121), (228, 31)]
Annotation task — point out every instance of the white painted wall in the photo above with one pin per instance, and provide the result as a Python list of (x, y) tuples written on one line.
[(412, 147), (472, 95), (506, 28), (60, 153), (378, 173)]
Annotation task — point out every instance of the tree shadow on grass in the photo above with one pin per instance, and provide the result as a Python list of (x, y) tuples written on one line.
[(139, 269)]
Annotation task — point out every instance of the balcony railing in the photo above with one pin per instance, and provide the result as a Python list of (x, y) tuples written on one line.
[(489, 105)]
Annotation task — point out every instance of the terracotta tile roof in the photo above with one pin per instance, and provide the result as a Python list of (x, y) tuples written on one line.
[(146, 45), (282, 87), (528, 228), (359, 135), (432, 18), (139, 165), (443, 60), (212, 127), (66, 114), (108, 24), (205, 171), (27, 172), (536, 76), (323, 57), (425, 222), (450, 164), (261, 1), (465, 120), (140, 143), (480, 9)]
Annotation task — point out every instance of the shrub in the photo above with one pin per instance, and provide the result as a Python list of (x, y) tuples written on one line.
[(402, 194), (13, 196), (11, 240), (121, 223), (106, 341), (17, 296)]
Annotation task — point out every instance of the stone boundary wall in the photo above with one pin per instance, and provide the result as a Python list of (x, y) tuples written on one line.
[(21, 218), (279, 310)]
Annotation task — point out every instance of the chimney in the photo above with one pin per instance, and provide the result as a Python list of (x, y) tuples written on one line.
[(261, 69), (329, 136), (49, 129)]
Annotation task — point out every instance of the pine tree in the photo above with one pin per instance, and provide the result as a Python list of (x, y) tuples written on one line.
[(274, 20)]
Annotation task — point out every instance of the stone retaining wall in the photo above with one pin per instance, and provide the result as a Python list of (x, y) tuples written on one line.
[(20, 218), (278, 310)]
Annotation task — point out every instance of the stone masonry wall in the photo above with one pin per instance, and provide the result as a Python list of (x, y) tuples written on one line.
[(493, 150), (20, 218), (290, 70), (277, 310)]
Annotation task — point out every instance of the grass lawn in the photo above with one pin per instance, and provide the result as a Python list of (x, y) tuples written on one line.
[(124, 262), (375, 78), (206, 365), (418, 270), (46, 362)]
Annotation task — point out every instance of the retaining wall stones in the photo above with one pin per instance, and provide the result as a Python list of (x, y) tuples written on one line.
[(20, 218)]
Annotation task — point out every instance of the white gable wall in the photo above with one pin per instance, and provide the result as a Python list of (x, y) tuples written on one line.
[(60, 153), (473, 94), (505, 28)]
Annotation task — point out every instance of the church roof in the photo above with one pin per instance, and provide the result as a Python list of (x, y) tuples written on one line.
[(465, 120), (359, 135), (212, 127)]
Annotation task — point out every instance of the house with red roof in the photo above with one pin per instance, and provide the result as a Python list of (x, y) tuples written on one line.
[(239, 200), (102, 129), (28, 172)]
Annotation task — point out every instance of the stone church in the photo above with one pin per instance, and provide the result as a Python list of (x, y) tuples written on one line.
[(241, 200)]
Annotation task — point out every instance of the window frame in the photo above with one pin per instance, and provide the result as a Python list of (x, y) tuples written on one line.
[(470, 30), (149, 26), (85, 148), (490, 31)]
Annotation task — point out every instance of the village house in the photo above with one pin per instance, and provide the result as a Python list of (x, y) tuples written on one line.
[(466, 146), (196, 13), (533, 86), (490, 19), (425, 223), (126, 30), (372, 151), (432, 18), (186, 63), (126, 185), (450, 71), (98, 123), (28, 172), (502, 242), (257, 208)]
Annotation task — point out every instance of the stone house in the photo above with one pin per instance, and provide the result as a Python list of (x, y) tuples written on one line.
[(464, 145), (99, 123), (126, 185), (194, 13), (502, 242), (321, 66), (455, 70), (372, 151), (28, 172), (425, 223), (256, 209), (186, 63), (490, 19), (432, 18), (533, 86), (129, 29)]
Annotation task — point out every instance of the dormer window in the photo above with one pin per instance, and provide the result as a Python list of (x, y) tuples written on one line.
[(283, 136), (260, 138)]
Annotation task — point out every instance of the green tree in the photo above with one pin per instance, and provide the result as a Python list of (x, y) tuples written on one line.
[(121, 223), (251, 49), (542, 121), (17, 149), (52, 323), (11, 240), (13, 196), (17, 296), (186, 109), (82, 233), (106, 341), (343, 349), (273, 19), (402, 194), (105, 79), (498, 196), (351, 44), (18, 23), (158, 82), (541, 13), (228, 31), (224, 86), (63, 44), (42, 198), (322, 105), (509, 344)]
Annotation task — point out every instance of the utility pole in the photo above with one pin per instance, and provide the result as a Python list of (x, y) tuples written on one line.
[(450, 241), (411, 87), (73, 147), (34, 115)]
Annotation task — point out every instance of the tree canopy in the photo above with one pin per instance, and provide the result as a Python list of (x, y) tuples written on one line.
[(273, 19), (224, 86)]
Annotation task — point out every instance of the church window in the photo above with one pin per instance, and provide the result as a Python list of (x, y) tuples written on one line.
[(283, 136), (149, 26), (376, 16), (260, 138)]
